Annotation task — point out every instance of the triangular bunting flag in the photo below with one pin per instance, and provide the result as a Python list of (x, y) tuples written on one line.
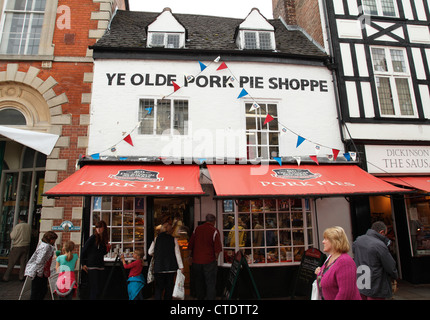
[(202, 66), (217, 59), (242, 94), (95, 156), (279, 160), (149, 110), (175, 86), (330, 157), (254, 106), (347, 156), (300, 140), (268, 119), (335, 153), (128, 139), (353, 155), (317, 149), (222, 66), (298, 159), (314, 158)]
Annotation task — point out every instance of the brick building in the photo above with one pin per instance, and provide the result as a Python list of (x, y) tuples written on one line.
[(46, 71)]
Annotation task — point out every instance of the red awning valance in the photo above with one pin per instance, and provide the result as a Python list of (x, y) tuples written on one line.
[(420, 183), (304, 180), (92, 180)]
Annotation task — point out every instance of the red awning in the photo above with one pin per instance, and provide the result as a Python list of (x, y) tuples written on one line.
[(121, 180), (304, 180), (420, 183)]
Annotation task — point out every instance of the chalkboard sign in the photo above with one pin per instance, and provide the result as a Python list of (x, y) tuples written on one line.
[(311, 259), (239, 261)]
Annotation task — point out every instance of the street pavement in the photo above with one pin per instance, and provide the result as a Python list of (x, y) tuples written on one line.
[(13, 290)]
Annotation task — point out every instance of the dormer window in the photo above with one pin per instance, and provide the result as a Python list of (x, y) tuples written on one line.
[(165, 40), (166, 32), (256, 33), (258, 40)]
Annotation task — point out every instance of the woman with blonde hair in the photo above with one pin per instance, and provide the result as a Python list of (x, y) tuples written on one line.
[(337, 278)]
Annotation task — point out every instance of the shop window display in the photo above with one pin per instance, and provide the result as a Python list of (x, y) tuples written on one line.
[(125, 219), (418, 209), (269, 231)]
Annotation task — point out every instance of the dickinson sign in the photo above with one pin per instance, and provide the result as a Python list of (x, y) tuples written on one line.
[(398, 159)]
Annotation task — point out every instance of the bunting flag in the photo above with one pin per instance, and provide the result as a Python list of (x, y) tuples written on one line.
[(268, 119), (128, 139), (189, 78), (222, 66), (335, 153), (314, 158), (95, 156), (298, 159), (317, 149), (347, 156), (149, 110), (299, 141), (202, 66), (254, 106), (217, 59), (242, 94), (279, 160), (175, 86)]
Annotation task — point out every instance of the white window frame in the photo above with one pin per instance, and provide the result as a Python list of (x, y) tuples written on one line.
[(379, 9), (146, 115), (392, 76), (46, 47), (285, 213), (257, 39), (259, 114), (165, 43)]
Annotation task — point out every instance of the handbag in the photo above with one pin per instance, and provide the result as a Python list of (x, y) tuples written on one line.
[(179, 291)]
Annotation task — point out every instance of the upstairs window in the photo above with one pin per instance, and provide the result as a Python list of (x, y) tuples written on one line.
[(165, 40), (258, 40), (159, 117), (393, 82), (22, 26), (385, 8)]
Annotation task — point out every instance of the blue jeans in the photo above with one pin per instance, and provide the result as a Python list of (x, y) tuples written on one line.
[(205, 280)]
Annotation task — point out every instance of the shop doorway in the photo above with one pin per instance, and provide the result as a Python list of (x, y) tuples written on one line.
[(21, 186), (381, 210), (182, 211)]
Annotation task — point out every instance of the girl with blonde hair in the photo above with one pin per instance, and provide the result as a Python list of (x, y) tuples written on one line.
[(337, 278)]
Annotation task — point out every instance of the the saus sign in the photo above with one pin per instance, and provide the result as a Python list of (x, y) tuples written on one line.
[(215, 81)]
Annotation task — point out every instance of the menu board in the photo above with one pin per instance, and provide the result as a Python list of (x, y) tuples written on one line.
[(311, 259)]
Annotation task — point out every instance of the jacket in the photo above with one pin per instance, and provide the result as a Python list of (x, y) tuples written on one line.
[(205, 244), (92, 255), (371, 252)]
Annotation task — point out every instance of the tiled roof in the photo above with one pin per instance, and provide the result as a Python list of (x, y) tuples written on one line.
[(128, 32)]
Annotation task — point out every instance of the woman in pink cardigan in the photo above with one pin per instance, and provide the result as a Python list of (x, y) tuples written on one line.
[(337, 278)]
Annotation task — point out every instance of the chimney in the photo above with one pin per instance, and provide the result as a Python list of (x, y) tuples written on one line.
[(303, 13)]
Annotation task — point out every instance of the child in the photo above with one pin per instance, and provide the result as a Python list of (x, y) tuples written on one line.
[(136, 281), (66, 264)]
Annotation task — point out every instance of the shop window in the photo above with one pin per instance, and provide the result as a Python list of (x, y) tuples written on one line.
[(125, 218), (268, 231), (418, 209), (393, 82), (262, 139), (163, 116)]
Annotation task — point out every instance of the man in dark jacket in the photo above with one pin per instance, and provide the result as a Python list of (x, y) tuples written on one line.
[(374, 260)]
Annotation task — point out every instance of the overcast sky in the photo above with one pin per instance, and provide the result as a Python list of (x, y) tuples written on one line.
[(222, 8)]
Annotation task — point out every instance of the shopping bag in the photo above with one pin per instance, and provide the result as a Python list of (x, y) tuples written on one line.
[(315, 292), (178, 291), (150, 276)]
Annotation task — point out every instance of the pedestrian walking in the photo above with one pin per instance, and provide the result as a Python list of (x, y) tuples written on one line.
[(92, 256), (65, 266), (21, 237), (39, 266), (372, 253), (135, 281), (337, 278), (167, 260), (205, 246)]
